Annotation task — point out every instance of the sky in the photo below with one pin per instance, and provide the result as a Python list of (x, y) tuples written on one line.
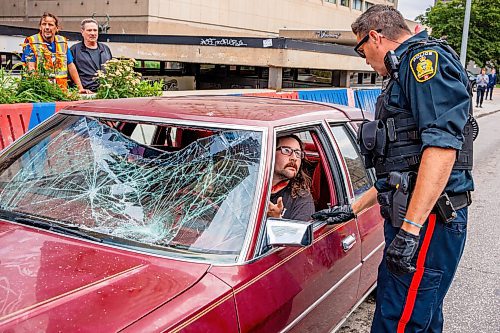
[(412, 8)]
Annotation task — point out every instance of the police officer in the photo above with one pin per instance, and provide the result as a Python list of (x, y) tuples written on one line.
[(420, 145)]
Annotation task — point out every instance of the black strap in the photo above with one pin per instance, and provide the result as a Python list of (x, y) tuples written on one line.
[(461, 200)]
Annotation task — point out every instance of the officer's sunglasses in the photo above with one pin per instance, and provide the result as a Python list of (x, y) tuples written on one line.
[(361, 52), (288, 151)]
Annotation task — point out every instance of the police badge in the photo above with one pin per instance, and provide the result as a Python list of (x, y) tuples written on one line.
[(424, 65)]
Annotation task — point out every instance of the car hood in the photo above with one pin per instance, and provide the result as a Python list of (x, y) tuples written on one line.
[(50, 282)]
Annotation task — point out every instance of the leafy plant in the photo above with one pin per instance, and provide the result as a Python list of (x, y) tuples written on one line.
[(118, 80), (446, 20), (37, 87), (8, 87), (32, 86)]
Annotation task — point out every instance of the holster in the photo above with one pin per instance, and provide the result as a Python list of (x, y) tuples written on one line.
[(394, 203), (385, 201)]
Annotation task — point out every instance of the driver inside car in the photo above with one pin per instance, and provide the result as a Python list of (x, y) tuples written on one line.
[(291, 187)]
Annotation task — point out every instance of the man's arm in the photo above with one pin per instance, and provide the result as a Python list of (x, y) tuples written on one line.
[(343, 213), (367, 200), (73, 73), (433, 174)]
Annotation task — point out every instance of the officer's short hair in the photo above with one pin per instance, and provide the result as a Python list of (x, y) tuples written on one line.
[(45, 15), (383, 17), (88, 20)]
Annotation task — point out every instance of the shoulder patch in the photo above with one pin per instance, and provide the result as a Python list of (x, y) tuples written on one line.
[(424, 65)]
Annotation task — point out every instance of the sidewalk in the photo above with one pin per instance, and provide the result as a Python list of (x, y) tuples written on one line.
[(488, 106)]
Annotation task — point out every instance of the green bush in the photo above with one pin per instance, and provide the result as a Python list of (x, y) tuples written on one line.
[(119, 80), (31, 87)]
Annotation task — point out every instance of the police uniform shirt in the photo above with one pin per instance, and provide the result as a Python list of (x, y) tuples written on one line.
[(435, 90)]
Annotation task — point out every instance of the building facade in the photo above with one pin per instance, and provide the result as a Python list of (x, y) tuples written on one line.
[(240, 18), (292, 19)]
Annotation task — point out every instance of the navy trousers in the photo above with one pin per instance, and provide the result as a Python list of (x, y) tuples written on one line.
[(414, 302), (490, 91)]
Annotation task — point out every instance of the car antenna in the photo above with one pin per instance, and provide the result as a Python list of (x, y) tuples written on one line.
[(360, 106)]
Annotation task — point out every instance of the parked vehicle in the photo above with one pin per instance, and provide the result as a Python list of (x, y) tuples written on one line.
[(149, 215)]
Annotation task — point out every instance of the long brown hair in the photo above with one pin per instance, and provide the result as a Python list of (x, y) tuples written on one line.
[(45, 15), (301, 183)]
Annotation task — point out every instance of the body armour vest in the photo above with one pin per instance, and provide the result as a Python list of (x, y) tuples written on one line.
[(392, 142)]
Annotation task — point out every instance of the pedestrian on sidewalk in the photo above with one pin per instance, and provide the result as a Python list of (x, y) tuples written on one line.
[(492, 81), (482, 83)]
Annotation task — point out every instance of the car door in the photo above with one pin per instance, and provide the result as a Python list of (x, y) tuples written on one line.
[(370, 223), (303, 289)]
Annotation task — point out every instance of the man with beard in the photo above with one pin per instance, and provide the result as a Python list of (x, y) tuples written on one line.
[(290, 195), (51, 51)]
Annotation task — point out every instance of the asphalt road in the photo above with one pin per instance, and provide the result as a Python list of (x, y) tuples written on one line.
[(473, 302)]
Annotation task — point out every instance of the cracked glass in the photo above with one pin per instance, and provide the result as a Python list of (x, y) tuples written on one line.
[(81, 171)]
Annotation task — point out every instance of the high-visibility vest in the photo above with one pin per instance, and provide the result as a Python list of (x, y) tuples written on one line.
[(55, 63)]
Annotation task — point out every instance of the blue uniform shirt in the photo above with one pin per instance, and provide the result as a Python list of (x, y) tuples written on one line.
[(434, 87), (28, 53)]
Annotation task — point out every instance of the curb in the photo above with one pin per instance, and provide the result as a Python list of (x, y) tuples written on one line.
[(486, 114)]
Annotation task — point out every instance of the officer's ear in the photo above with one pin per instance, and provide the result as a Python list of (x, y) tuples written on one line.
[(374, 36)]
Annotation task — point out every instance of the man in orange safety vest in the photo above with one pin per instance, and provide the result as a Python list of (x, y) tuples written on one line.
[(51, 51)]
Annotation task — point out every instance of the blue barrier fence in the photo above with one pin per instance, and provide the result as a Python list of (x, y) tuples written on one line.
[(336, 96), (366, 99), (41, 111)]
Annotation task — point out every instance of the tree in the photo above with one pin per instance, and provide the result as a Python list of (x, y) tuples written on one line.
[(446, 20)]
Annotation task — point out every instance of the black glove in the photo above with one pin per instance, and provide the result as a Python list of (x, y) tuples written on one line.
[(401, 252), (335, 215)]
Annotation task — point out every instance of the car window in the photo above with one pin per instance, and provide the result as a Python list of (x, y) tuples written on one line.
[(143, 133), (83, 172), (312, 190), (359, 176)]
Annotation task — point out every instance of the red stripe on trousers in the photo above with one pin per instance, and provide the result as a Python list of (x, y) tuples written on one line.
[(417, 276)]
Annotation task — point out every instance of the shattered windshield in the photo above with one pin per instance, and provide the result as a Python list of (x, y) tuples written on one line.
[(85, 172)]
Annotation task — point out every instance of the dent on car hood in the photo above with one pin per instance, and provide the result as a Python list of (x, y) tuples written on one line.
[(53, 283)]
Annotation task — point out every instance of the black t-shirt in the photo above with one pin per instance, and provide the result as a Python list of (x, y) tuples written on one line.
[(300, 208), (95, 54)]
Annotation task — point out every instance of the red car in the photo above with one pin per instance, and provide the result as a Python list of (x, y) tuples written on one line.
[(149, 215)]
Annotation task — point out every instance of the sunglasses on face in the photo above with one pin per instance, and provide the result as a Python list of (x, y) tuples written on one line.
[(288, 151), (361, 52)]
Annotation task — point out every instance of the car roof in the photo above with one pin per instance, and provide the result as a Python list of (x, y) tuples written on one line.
[(244, 110)]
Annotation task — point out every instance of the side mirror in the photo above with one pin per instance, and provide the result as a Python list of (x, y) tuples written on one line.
[(289, 232)]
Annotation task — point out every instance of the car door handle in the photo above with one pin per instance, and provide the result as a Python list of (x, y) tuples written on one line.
[(348, 242)]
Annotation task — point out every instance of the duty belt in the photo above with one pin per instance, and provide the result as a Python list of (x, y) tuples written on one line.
[(447, 205), (460, 200)]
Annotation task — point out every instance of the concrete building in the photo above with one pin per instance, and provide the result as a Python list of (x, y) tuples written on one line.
[(237, 36), (240, 18)]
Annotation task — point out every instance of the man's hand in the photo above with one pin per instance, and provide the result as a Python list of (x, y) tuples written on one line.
[(401, 252), (82, 90), (335, 215), (275, 210)]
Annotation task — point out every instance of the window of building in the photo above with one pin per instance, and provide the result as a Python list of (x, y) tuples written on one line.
[(344, 3), (331, 1), (368, 5), (357, 4)]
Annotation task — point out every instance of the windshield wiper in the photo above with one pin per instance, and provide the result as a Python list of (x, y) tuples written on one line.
[(68, 230)]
